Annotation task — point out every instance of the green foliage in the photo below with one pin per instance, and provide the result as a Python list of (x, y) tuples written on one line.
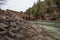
[(37, 10), (41, 8), (57, 2)]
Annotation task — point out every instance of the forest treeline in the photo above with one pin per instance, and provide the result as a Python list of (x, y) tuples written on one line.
[(45, 10)]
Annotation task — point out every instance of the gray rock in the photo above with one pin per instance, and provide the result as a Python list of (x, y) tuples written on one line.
[(3, 25), (13, 23)]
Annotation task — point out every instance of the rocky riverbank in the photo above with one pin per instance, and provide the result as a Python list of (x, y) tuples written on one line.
[(13, 27)]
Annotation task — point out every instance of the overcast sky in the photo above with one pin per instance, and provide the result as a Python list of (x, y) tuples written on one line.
[(19, 5)]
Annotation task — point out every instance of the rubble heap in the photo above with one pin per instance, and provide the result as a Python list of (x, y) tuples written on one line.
[(13, 27)]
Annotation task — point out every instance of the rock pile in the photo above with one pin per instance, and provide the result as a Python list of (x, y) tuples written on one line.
[(13, 27)]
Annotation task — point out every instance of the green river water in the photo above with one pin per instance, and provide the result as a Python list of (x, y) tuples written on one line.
[(52, 26)]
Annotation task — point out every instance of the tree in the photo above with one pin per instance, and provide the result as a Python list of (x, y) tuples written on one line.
[(37, 10), (41, 8)]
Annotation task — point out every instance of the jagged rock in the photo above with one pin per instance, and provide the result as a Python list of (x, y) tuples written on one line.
[(13, 27), (3, 25)]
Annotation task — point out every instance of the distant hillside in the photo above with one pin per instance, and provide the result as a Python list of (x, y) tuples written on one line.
[(45, 10)]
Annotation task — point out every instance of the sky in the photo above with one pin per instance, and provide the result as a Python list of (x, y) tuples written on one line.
[(19, 5)]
